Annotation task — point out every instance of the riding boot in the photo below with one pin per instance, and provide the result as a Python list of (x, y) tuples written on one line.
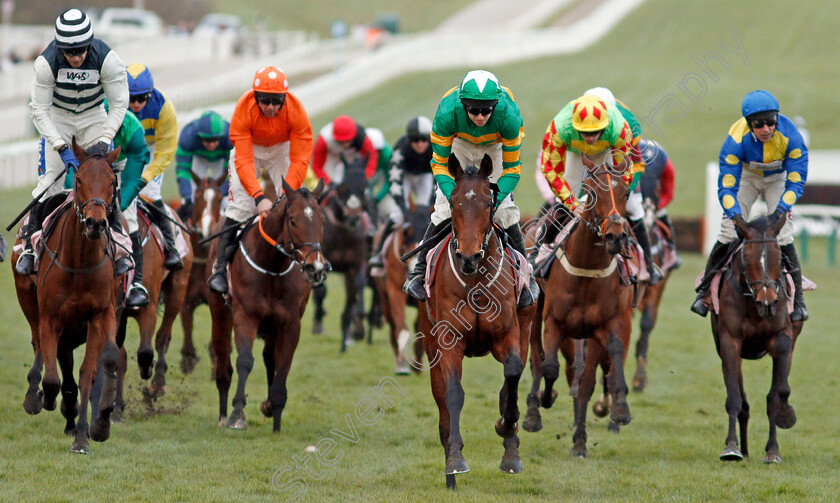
[(640, 231), (137, 294), (26, 262), (376, 259), (716, 258), (800, 312), (171, 257), (415, 283), (665, 219), (528, 296), (123, 264), (218, 280), (554, 221)]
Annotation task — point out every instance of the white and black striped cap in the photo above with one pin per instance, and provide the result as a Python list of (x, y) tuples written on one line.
[(73, 29)]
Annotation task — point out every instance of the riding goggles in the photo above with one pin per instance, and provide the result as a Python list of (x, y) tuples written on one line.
[(480, 110), (75, 51), (139, 98), (271, 99), (760, 123)]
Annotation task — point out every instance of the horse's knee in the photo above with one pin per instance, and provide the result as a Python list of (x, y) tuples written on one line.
[(110, 357), (513, 366), (615, 346), (783, 343), (646, 323), (551, 369), (244, 362)]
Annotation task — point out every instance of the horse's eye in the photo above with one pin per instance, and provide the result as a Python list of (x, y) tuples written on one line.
[(292, 221)]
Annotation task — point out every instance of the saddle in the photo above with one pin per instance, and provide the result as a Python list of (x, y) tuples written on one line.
[(155, 233)]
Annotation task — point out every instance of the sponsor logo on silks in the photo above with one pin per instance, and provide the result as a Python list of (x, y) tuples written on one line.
[(74, 76)]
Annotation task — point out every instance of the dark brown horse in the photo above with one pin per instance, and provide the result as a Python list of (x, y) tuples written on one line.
[(586, 300), (754, 321), (389, 286), (205, 216), (473, 303), (157, 280), (278, 261), (72, 301), (346, 248)]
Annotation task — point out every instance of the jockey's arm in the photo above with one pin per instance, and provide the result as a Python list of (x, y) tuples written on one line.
[(300, 148), (183, 169), (553, 164), (796, 168), (115, 86), (729, 178), (137, 155), (166, 142), (319, 158), (40, 103)]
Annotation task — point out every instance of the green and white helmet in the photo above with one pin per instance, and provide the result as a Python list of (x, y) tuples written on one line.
[(480, 85)]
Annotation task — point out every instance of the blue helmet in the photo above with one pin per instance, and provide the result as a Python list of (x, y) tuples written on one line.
[(140, 79), (210, 126), (757, 102)]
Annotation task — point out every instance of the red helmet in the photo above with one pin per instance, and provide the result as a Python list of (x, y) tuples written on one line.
[(270, 79), (344, 128)]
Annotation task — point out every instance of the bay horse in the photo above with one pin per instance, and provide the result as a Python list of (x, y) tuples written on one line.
[(474, 307), (279, 260), (754, 321), (205, 216), (158, 280), (389, 286), (586, 300), (71, 301), (346, 248)]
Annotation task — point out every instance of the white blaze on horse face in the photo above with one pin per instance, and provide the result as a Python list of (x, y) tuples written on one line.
[(764, 259), (354, 202), (307, 212), (207, 214), (470, 194)]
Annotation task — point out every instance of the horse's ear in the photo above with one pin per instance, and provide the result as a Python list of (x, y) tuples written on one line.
[(486, 168), (78, 151), (319, 190), (287, 188), (455, 167), (113, 155), (741, 226)]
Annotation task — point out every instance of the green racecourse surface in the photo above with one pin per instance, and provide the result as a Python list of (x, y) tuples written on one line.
[(669, 452)]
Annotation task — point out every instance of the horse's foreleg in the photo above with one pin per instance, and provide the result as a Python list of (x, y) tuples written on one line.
[(318, 295), (268, 360), (146, 320), (49, 348), (189, 357), (587, 386), (550, 364), (619, 410), (69, 388), (283, 352), (779, 412), (32, 399), (245, 330), (438, 383), (507, 426), (108, 360), (223, 370), (730, 351), (175, 288), (646, 325)]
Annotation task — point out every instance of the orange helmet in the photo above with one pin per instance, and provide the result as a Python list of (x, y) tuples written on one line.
[(270, 79), (589, 114)]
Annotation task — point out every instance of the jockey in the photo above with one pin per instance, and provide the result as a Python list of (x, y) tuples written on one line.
[(203, 149), (73, 76), (477, 117), (586, 133), (410, 174), (271, 136), (342, 136), (764, 154), (157, 115), (384, 203), (659, 171)]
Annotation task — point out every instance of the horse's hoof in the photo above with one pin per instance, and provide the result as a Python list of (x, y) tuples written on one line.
[(48, 405), (533, 421), (504, 430), (639, 381), (785, 416), (348, 341), (237, 421), (579, 452), (223, 421), (117, 416), (731, 454), (80, 447), (317, 328), (613, 427), (600, 409), (456, 464), (772, 458), (188, 362), (100, 429), (32, 403), (620, 413), (265, 408), (545, 403), (511, 463), (145, 373)]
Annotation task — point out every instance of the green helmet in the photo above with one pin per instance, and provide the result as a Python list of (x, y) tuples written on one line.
[(480, 85), (210, 126)]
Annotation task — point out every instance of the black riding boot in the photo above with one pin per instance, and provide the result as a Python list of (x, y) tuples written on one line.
[(640, 231), (376, 259), (415, 283), (218, 280), (517, 240), (800, 312), (672, 242), (553, 222), (123, 264), (137, 294), (171, 257), (715, 262), (26, 262)]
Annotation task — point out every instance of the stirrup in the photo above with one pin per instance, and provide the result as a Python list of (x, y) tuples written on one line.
[(376, 261), (699, 306), (137, 295), (800, 312), (217, 281), (26, 267)]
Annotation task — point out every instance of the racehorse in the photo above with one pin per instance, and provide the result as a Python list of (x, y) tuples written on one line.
[(389, 286), (346, 248), (474, 304), (586, 300), (72, 301), (279, 260), (649, 304), (157, 280), (754, 321), (205, 216)]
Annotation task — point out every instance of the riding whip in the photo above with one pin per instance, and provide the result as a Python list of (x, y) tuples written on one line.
[(35, 201)]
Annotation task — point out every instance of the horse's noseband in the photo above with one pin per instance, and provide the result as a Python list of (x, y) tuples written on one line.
[(81, 209), (765, 281)]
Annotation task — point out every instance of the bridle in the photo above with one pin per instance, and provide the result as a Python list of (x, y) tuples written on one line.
[(81, 209), (765, 281), (488, 231), (599, 226)]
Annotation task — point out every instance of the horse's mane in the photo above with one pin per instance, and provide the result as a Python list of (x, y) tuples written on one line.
[(760, 224), (98, 149)]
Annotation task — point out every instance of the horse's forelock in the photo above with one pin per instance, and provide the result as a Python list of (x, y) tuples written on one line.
[(98, 149), (760, 224), (471, 170)]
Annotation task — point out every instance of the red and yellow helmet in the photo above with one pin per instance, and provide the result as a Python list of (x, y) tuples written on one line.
[(271, 80), (589, 114)]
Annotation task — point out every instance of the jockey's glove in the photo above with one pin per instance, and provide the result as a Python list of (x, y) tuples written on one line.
[(775, 216), (68, 158)]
